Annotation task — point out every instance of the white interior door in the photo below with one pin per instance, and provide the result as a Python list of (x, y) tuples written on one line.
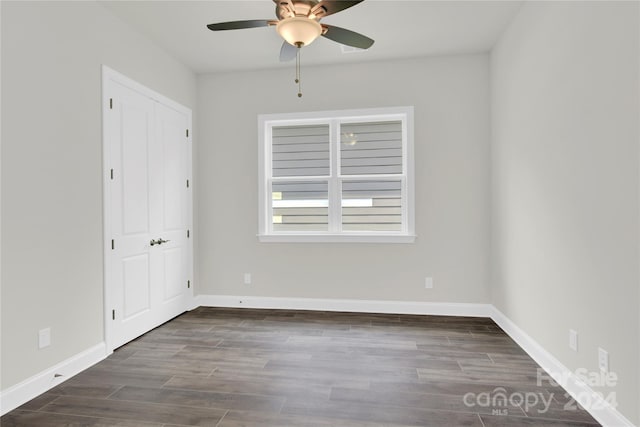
[(147, 209), (169, 211)]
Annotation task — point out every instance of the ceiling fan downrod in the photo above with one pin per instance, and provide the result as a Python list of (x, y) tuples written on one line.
[(298, 80)]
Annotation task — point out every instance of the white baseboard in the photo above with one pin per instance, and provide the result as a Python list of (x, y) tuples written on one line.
[(351, 305), (599, 408), (32, 387)]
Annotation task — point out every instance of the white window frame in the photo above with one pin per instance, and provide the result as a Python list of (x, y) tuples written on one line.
[(267, 121)]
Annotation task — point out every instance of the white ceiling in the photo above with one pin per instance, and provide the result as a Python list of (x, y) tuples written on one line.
[(401, 29)]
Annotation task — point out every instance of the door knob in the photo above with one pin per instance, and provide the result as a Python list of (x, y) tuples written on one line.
[(160, 241)]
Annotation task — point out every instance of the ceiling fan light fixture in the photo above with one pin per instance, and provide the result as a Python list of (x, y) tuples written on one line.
[(299, 31)]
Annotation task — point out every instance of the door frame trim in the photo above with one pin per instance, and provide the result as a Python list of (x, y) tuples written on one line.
[(109, 75)]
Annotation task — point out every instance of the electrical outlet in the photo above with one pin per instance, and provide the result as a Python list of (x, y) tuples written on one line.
[(428, 283), (247, 278), (573, 340), (44, 338), (603, 360)]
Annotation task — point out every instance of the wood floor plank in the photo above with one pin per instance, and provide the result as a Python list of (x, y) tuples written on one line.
[(442, 402), (274, 387), (312, 379), (457, 388), (251, 418), (99, 376), (45, 419), (380, 413), (471, 365), (426, 332), (135, 411), (512, 359), (192, 354), (163, 368), (144, 343), (331, 368), (508, 421), (100, 391), (479, 348), (430, 352), (407, 360), (38, 402), (483, 377), (414, 338), (203, 399), (354, 342), (193, 340)]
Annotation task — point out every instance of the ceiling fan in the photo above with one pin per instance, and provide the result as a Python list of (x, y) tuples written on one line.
[(299, 25)]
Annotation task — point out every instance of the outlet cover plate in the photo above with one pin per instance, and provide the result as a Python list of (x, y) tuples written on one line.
[(603, 360), (573, 340), (428, 283), (44, 338)]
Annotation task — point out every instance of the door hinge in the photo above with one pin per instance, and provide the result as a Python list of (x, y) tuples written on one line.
[(187, 183), (188, 234), (188, 284), (187, 133), (113, 314), (113, 244), (111, 103), (112, 174)]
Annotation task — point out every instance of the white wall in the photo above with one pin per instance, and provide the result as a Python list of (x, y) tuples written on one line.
[(564, 182), (563, 186), (451, 100), (51, 170)]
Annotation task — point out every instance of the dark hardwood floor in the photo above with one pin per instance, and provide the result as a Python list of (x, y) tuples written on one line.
[(228, 367)]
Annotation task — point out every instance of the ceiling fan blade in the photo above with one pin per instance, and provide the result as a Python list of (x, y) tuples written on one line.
[(348, 37), (287, 52), (329, 7), (239, 25)]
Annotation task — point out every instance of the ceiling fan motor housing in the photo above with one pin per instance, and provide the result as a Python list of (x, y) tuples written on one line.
[(289, 9)]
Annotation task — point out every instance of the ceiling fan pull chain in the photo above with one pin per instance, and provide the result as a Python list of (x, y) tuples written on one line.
[(298, 72)]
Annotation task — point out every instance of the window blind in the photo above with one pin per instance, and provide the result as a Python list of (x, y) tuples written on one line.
[(300, 150), (300, 206), (371, 148)]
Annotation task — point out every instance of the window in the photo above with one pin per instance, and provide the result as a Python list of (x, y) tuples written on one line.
[(337, 176)]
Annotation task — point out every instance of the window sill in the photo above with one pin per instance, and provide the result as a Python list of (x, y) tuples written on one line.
[(336, 238)]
